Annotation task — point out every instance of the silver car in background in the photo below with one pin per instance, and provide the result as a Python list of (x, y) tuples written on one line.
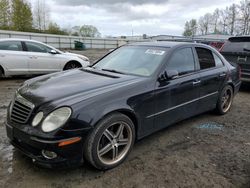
[(29, 57)]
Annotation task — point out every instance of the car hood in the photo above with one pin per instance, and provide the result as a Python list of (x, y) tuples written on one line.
[(75, 55), (80, 83)]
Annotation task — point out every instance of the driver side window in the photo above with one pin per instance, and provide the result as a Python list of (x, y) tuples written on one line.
[(182, 61)]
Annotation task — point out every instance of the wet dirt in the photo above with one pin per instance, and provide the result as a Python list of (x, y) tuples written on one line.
[(203, 151)]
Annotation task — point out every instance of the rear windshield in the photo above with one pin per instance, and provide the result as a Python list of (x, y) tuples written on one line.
[(237, 44)]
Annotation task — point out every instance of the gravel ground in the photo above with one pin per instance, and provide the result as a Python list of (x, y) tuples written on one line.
[(203, 151)]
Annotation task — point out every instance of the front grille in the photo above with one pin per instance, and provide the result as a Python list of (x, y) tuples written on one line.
[(21, 110)]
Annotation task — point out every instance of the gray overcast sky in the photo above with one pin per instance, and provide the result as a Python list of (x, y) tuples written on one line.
[(118, 17)]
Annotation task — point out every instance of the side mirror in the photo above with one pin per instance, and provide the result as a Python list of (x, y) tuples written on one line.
[(168, 75), (53, 52), (172, 74)]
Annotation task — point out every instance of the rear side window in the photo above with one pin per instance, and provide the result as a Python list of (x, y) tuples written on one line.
[(182, 61), (237, 44), (206, 58), (218, 61), (11, 45)]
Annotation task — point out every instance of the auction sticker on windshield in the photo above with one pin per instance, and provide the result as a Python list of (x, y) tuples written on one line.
[(155, 52)]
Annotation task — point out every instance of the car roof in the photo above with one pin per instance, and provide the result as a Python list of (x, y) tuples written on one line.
[(18, 39)]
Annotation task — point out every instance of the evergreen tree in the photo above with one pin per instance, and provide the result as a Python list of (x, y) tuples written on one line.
[(190, 28), (5, 14), (53, 28), (21, 16)]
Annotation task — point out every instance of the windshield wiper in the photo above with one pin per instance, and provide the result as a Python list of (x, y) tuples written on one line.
[(113, 70)]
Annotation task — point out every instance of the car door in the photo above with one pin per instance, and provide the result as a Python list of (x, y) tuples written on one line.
[(41, 60), (12, 57), (212, 75), (177, 98)]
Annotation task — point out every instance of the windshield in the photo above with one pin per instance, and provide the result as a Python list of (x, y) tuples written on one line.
[(138, 60)]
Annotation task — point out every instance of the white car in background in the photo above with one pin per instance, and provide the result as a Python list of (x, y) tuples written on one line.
[(29, 57)]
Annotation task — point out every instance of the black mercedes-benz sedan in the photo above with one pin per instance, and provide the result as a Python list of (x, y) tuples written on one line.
[(96, 114)]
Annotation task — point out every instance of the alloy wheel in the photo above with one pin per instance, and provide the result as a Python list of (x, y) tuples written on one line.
[(72, 66), (227, 99), (114, 143)]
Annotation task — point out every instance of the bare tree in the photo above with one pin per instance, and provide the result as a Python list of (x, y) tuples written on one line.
[(224, 20), (204, 23), (232, 18), (41, 15), (216, 17), (244, 16)]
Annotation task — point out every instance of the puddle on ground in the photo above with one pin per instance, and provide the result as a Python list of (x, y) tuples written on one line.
[(211, 126), (6, 158), (6, 154)]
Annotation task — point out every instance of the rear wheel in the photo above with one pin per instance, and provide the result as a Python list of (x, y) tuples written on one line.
[(110, 142), (225, 100), (72, 65)]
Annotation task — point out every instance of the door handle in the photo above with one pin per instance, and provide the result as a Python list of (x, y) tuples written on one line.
[(196, 82), (33, 57), (222, 74)]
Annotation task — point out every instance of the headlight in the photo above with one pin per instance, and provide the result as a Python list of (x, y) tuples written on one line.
[(37, 119), (56, 119)]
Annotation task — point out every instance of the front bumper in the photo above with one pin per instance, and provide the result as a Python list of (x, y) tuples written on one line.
[(67, 156)]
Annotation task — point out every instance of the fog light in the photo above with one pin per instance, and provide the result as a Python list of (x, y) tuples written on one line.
[(37, 119), (49, 154)]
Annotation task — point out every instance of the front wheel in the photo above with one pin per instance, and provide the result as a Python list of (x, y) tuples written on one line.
[(110, 142), (72, 65), (1, 73), (225, 100)]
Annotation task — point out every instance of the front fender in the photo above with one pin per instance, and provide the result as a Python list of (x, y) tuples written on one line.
[(79, 60), (88, 117), (5, 69), (111, 109)]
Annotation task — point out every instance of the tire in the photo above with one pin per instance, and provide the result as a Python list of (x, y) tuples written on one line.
[(1, 73), (72, 65), (110, 142), (225, 100)]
